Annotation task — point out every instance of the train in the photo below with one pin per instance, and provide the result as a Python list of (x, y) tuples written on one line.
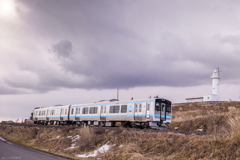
[(146, 113)]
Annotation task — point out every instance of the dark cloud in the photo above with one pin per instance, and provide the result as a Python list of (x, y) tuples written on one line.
[(62, 49)]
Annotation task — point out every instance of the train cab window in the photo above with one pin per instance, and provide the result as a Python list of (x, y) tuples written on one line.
[(163, 107), (158, 108), (124, 109), (114, 109), (93, 110), (85, 111), (168, 108), (140, 108)]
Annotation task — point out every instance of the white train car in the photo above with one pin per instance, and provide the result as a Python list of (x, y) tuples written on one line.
[(152, 112)]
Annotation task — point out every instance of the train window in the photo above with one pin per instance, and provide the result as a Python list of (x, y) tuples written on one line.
[(111, 109), (104, 109), (76, 110), (148, 107), (65, 111), (85, 111), (158, 108), (114, 109), (93, 110), (163, 107), (124, 109), (136, 107), (140, 108)]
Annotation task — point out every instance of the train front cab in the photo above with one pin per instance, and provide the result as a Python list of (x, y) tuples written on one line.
[(162, 113)]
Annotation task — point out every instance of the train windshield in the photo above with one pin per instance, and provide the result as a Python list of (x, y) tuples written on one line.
[(163, 105)]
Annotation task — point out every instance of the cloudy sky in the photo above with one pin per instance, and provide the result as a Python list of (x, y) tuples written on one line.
[(68, 51)]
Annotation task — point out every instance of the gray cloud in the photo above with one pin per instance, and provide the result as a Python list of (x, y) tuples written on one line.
[(62, 49), (102, 44)]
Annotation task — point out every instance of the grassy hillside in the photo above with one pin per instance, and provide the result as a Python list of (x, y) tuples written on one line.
[(220, 120)]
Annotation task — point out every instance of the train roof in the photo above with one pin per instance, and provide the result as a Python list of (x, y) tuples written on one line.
[(105, 102)]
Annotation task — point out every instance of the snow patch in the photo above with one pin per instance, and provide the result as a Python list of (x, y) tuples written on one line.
[(75, 138), (102, 149), (73, 145)]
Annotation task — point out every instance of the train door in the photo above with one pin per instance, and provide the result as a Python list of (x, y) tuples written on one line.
[(48, 113), (135, 111), (61, 114), (140, 112), (103, 113), (144, 108), (147, 110), (163, 112)]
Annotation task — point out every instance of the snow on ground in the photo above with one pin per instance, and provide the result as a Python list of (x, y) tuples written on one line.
[(102, 149), (73, 145), (75, 138)]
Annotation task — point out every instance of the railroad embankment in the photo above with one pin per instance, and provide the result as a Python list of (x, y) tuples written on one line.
[(220, 120)]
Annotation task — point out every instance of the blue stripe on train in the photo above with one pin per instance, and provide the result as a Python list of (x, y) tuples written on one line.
[(157, 115)]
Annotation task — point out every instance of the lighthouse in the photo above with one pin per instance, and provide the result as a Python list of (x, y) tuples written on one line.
[(215, 83), (215, 88), (211, 98)]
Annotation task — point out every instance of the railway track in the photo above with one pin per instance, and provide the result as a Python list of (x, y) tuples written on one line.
[(112, 128)]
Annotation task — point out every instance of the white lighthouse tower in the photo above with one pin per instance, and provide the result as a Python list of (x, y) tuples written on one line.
[(215, 87), (215, 83)]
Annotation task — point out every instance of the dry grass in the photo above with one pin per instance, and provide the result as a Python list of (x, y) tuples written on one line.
[(209, 117), (223, 120)]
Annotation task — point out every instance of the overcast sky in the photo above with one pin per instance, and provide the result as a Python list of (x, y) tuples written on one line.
[(68, 51)]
